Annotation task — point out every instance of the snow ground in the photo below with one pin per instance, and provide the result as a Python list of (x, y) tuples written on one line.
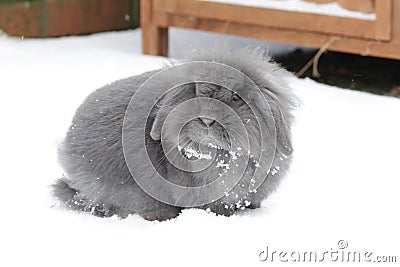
[(343, 184)]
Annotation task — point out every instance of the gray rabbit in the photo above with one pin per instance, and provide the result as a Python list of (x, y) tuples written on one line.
[(99, 180)]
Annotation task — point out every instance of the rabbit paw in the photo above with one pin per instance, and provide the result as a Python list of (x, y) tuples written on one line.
[(160, 215)]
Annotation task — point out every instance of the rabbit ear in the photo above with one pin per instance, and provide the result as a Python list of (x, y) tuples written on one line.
[(155, 132), (282, 119), (283, 136), (165, 105), (159, 115)]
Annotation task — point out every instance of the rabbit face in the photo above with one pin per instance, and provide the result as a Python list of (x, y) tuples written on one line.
[(209, 120), (212, 122)]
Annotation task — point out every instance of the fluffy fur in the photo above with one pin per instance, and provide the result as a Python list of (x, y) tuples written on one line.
[(97, 178)]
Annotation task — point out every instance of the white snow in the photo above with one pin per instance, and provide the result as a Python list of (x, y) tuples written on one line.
[(222, 164), (184, 41), (330, 9), (275, 170), (193, 153), (343, 185)]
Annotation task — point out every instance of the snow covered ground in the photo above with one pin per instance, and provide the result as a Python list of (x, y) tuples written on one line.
[(344, 182)]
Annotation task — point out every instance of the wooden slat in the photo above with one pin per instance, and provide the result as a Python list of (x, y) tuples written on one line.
[(310, 39), (396, 21), (269, 17), (154, 38), (384, 15), (145, 21)]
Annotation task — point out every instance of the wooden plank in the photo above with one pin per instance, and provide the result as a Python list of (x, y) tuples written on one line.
[(154, 38), (268, 17), (384, 16), (309, 39), (145, 21), (396, 21)]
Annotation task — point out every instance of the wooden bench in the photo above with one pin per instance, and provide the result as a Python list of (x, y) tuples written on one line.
[(378, 37)]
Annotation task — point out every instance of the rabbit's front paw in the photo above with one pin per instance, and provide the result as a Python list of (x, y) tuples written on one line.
[(160, 215), (254, 205), (102, 210), (220, 209)]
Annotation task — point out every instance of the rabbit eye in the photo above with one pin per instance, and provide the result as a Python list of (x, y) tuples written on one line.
[(235, 97)]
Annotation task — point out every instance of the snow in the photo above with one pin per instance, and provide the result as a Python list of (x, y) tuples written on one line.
[(343, 184), (193, 153), (330, 9)]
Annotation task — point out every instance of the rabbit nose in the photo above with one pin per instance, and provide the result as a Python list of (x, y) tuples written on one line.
[(207, 121)]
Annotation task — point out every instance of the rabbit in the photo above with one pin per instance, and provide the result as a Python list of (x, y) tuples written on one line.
[(97, 178)]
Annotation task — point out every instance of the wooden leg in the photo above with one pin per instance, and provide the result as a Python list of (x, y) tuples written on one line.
[(154, 38), (155, 41)]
